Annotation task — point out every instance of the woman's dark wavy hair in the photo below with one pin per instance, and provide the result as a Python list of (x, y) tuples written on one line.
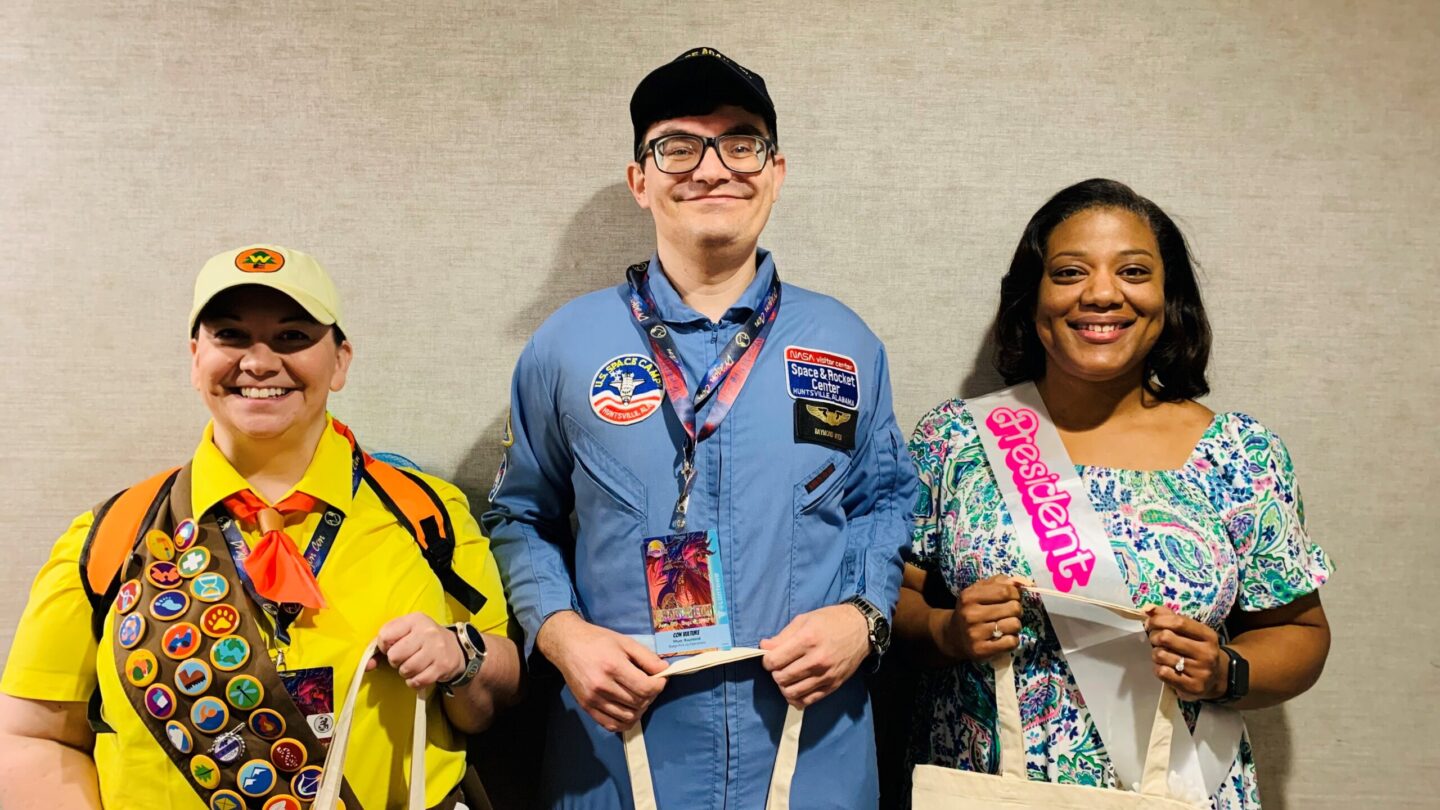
[(1175, 367)]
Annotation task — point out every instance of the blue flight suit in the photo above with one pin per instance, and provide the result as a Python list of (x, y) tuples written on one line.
[(801, 526)]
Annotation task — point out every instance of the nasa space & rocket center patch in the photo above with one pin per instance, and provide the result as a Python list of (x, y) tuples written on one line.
[(627, 389)]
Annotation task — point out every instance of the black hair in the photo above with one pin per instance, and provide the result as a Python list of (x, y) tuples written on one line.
[(1175, 366)]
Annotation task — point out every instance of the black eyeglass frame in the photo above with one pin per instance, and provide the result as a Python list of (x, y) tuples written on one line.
[(708, 143)]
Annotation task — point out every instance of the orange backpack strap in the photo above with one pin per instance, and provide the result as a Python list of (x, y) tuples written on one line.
[(422, 513), (119, 524)]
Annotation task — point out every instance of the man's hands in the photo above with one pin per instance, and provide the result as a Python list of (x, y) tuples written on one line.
[(611, 675), (817, 652), (423, 651)]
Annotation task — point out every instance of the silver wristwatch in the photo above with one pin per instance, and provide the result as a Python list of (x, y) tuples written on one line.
[(877, 627), (472, 646)]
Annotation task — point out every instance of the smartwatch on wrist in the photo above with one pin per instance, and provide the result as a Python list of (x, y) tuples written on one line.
[(472, 646), (1238, 685)]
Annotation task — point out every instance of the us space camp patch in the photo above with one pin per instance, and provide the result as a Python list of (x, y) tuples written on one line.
[(627, 389)]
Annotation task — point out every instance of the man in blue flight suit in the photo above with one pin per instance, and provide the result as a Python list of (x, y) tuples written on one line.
[(728, 448)]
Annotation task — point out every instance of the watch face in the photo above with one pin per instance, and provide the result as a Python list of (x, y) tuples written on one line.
[(476, 637), (881, 634)]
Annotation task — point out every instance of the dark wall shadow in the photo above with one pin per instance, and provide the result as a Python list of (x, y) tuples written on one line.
[(1271, 740), (982, 377), (609, 233)]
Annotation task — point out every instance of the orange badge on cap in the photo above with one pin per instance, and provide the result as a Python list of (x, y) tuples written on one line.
[(259, 260)]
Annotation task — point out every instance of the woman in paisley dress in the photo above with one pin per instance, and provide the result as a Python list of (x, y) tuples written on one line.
[(1101, 310)]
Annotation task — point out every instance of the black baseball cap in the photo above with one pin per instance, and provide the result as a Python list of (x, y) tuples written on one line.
[(695, 83)]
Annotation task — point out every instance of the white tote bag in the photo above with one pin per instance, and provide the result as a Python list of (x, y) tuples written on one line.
[(328, 795), (940, 788), (637, 759)]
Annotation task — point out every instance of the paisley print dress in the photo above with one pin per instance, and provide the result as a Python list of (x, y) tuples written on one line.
[(1225, 531)]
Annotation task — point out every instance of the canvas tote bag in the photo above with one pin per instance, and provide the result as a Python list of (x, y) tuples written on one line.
[(637, 760), (328, 795), (939, 788)]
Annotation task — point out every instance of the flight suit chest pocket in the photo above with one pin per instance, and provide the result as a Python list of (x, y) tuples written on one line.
[(818, 559), (600, 480)]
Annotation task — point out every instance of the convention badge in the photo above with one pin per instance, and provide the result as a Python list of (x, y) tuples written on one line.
[(226, 800), (193, 677), (193, 562), (306, 783), (256, 778), (209, 587), (228, 747), (205, 772), (130, 631), (627, 390), (127, 597), (826, 425), (821, 376), (159, 545), (181, 640), (168, 605), (159, 701), (209, 714), (163, 574), (244, 692), (186, 534), (313, 691), (141, 666), (230, 653), (219, 620), (179, 737), (282, 802), (289, 754), (686, 587), (267, 724)]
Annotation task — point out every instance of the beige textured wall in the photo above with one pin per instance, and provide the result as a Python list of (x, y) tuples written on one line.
[(458, 168)]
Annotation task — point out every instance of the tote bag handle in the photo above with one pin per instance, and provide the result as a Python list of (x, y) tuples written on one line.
[(637, 759), (328, 795)]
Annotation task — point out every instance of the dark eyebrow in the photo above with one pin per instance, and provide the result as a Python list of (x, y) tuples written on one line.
[(1080, 254), (738, 129), (1137, 252), (301, 319)]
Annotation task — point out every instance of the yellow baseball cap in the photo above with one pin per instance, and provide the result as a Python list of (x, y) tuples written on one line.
[(296, 274)]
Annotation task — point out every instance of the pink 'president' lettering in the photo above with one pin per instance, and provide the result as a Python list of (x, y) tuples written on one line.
[(1047, 506)]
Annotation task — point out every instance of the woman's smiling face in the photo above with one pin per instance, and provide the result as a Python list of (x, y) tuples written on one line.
[(1101, 304)]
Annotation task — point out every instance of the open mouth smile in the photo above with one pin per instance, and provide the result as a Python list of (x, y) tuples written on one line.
[(254, 392), (1101, 332)]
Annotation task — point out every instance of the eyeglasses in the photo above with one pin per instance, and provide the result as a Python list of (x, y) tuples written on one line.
[(678, 154)]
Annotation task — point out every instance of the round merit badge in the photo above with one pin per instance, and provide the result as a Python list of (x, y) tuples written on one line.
[(627, 390), (193, 677), (128, 596), (208, 587), (282, 802), (226, 800), (219, 620), (306, 783), (159, 701), (267, 723), (209, 715), (230, 653), (181, 640), (256, 777), (228, 748), (193, 561), (288, 755), (244, 692), (159, 545), (130, 631), (140, 668), (205, 772), (168, 604), (179, 737), (163, 574), (186, 534)]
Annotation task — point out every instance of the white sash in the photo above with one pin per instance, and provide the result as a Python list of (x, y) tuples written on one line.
[(1069, 551)]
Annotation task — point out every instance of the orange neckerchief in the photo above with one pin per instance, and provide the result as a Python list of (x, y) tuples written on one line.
[(275, 566)]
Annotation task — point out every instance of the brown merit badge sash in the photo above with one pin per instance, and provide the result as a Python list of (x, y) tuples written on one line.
[(197, 671)]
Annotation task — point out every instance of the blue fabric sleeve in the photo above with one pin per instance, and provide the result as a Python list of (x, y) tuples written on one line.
[(529, 518), (879, 496)]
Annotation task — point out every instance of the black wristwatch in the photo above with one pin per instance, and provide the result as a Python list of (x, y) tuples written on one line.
[(1238, 685), (877, 625), (472, 646)]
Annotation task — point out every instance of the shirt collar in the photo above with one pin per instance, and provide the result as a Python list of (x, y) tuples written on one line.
[(329, 477), (673, 309)]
